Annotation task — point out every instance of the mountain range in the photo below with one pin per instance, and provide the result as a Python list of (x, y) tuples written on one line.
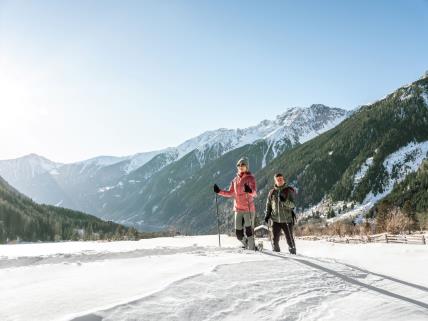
[(330, 155), (131, 189)]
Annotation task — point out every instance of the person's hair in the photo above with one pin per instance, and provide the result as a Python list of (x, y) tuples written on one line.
[(278, 175)]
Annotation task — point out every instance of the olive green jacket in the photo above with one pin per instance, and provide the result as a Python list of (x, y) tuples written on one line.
[(280, 204)]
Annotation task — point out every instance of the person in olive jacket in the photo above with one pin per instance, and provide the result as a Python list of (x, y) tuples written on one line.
[(279, 208)]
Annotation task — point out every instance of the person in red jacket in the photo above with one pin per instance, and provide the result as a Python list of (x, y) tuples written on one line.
[(243, 190)]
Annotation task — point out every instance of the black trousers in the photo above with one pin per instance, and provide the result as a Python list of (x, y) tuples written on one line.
[(288, 231)]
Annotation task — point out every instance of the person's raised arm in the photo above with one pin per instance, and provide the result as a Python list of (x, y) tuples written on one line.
[(230, 192)]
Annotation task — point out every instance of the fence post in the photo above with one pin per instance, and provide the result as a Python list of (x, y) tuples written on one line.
[(386, 238), (423, 239)]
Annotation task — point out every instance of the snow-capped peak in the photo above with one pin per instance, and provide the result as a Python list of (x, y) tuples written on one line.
[(298, 124), (31, 165), (301, 124), (138, 160), (102, 160)]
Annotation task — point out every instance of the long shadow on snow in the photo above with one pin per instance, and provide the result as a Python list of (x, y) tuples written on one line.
[(413, 285), (353, 281)]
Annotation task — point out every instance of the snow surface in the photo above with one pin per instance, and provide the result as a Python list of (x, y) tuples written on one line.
[(406, 93), (105, 188), (99, 162), (425, 98), (102, 161), (190, 278), (358, 211), (138, 160), (363, 170), (80, 277), (402, 261)]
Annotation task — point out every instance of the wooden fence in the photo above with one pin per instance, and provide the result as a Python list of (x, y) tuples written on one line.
[(382, 238)]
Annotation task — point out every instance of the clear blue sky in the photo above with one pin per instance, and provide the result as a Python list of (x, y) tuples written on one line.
[(85, 78)]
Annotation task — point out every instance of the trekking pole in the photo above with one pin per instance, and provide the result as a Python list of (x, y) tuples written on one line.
[(218, 221), (251, 221)]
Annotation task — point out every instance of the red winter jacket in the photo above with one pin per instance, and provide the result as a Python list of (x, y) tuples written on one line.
[(236, 190)]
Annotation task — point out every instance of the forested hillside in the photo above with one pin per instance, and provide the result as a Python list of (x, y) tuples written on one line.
[(23, 219)]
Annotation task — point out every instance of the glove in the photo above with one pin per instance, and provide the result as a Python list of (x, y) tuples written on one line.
[(282, 198), (247, 188), (216, 189)]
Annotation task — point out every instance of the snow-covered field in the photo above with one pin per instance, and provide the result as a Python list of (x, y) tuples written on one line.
[(190, 278)]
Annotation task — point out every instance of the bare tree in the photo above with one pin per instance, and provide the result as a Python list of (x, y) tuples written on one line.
[(396, 221)]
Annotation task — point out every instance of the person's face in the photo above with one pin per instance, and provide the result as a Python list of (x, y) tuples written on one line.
[(242, 168), (279, 181)]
